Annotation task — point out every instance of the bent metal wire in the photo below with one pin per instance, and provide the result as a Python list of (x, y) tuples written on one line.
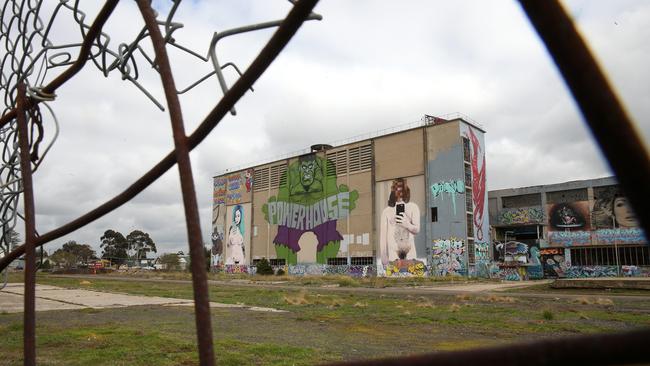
[(29, 55)]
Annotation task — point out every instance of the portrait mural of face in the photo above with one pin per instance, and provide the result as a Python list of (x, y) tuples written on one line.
[(308, 205), (237, 240), (612, 210), (399, 223)]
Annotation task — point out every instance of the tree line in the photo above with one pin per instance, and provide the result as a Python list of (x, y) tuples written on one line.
[(115, 247)]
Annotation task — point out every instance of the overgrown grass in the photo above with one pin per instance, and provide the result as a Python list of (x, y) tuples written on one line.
[(319, 321)]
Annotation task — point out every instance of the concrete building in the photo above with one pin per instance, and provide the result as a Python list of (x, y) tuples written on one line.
[(575, 229), (408, 203)]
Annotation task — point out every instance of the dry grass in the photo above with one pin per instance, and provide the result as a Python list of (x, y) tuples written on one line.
[(425, 304), (502, 299), (463, 297), (298, 299), (599, 301)]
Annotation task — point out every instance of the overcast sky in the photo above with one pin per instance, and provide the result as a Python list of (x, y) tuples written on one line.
[(367, 66)]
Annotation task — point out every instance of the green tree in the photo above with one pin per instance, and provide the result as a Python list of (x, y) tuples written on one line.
[(140, 243), (63, 258), (114, 246), (264, 267), (170, 261), (82, 252)]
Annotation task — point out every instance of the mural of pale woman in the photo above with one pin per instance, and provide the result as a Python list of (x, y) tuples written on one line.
[(235, 245), (614, 212), (400, 222)]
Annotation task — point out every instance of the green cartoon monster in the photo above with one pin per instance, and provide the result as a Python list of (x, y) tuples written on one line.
[(309, 200)]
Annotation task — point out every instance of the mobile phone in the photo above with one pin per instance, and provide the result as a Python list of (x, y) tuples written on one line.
[(399, 209)]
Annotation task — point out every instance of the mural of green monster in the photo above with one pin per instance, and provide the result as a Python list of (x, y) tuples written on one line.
[(309, 200)]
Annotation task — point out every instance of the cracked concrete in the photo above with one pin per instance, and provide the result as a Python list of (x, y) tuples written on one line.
[(58, 298)]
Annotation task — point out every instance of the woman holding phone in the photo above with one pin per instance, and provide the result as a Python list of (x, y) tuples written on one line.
[(400, 222)]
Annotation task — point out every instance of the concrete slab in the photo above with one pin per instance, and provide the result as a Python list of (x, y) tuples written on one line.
[(487, 287), (240, 306), (14, 303), (58, 298)]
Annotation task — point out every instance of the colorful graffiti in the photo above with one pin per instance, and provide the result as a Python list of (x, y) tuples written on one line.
[(482, 251), (406, 268), (237, 269), (452, 188), (535, 270), (590, 271), (309, 201), (248, 176), (569, 238), (235, 188), (628, 236), (524, 215), (399, 224), (218, 221), (219, 191), (448, 257), (508, 273)]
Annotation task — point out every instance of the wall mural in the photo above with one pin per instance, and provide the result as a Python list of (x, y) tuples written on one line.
[(450, 188), (569, 224), (523, 215), (568, 238), (616, 236), (448, 257), (218, 221), (406, 268), (553, 262), (614, 219), (237, 240), (591, 271), (399, 224), (535, 270), (611, 209), (479, 192), (239, 187), (309, 202), (569, 216)]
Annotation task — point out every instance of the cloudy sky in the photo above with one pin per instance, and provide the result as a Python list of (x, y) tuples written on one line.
[(367, 66)]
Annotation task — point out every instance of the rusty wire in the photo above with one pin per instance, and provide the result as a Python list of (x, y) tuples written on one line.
[(300, 12)]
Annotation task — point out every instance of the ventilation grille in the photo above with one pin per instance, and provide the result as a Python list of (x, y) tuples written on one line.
[(261, 179), (338, 162), (352, 160), (278, 176)]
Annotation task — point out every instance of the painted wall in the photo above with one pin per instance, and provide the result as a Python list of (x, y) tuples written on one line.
[(445, 184), (610, 221), (238, 232), (479, 189), (218, 220), (522, 215), (306, 211), (228, 190), (401, 240)]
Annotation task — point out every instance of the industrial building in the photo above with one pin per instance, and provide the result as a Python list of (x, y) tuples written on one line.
[(407, 203), (574, 229)]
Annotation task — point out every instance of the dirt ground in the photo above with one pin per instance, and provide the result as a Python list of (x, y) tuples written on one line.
[(319, 324)]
